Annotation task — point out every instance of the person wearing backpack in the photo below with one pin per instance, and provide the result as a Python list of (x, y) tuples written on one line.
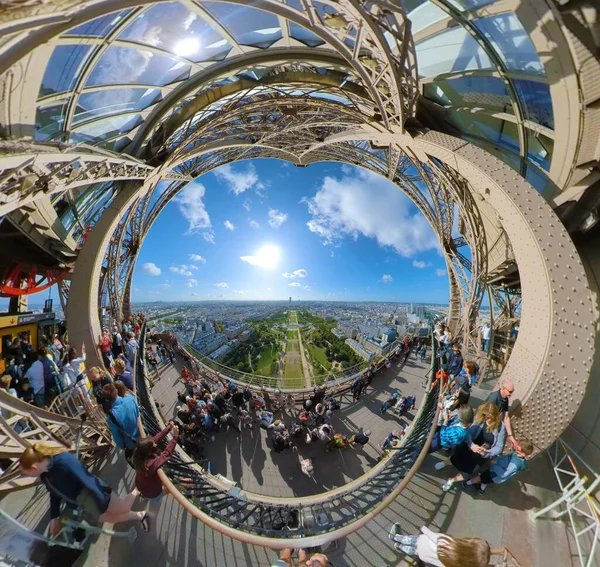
[(122, 420), (148, 459)]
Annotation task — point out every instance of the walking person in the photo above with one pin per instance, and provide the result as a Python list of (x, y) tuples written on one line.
[(69, 482), (485, 337), (147, 459), (441, 550)]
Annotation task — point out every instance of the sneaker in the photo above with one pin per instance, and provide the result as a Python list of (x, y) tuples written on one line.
[(439, 465), (465, 484), (481, 490), (394, 531), (447, 485)]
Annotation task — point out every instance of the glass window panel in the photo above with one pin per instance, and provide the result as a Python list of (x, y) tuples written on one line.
[(49, 121), (511, 41), (544, 186), (509, 157), (470, 4), (107, 102), (424, 15), (107, 128), (63, 68), (537, 102), (125, 65), (449, 52), (476, 90), (173, 27), (539, 149), (248, 26), (99, 27), (484, 126)]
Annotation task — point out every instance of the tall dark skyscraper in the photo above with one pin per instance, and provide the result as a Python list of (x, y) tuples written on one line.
[(290, 298)]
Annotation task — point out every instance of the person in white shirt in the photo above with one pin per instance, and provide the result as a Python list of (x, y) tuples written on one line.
[(35, 374), (485, 337), (441, 550), (72, 367)]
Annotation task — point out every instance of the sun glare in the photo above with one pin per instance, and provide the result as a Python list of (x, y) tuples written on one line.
[(268, 257)]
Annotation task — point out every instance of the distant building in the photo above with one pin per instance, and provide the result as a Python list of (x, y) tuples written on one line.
[(234, 331), (338, 333), (290, 298), (359, 349)]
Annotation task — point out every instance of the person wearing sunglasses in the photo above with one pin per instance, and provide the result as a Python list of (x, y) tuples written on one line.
[(501, 398)]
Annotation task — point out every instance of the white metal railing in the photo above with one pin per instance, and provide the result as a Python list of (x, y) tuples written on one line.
[(578, 483)]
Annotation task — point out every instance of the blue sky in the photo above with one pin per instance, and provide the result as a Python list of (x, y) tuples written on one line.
[(264, 229)]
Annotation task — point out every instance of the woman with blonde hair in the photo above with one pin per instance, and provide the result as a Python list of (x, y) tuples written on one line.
[(484, 440), (442, 550), (69, 482)]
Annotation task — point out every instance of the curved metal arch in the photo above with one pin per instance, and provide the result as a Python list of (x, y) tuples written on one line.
[(381, 76)]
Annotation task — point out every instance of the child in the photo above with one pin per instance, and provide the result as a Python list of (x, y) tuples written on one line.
[(504, 467), (452, 433), (147, 459), (440, 549)]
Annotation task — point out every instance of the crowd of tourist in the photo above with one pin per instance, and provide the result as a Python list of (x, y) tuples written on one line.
[(471, 441)]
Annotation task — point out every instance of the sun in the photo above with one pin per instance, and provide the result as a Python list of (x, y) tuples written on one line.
[(268, 256)]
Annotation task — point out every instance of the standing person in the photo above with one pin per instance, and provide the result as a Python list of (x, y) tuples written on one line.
[(147, 459), (35, 375), (504, 467), (423, 352), (501, 398), (72, 367), (99, 379), (117, 342), (68, 481), (105, 345), (15, 374), (485, 337), (131, 348), (455, 362), (122, 420), (122, 374), (442, 550)]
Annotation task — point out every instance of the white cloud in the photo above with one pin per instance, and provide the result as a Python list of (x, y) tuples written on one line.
[(229, 225), (440, 273), (239, 291), (240, 180), (165, 285), (209, 236), (351, 206), (197, 258), (182, 270), (276, 218), (301, 273), (386, 278), (254, 224), (421, 264), (247, 204), (192, 208), (192, 267), (191, 282), (295, 284), (221, 284), (151, 269), (306, 287)]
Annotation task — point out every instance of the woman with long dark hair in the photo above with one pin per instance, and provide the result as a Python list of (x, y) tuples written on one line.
[(148, 459)]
